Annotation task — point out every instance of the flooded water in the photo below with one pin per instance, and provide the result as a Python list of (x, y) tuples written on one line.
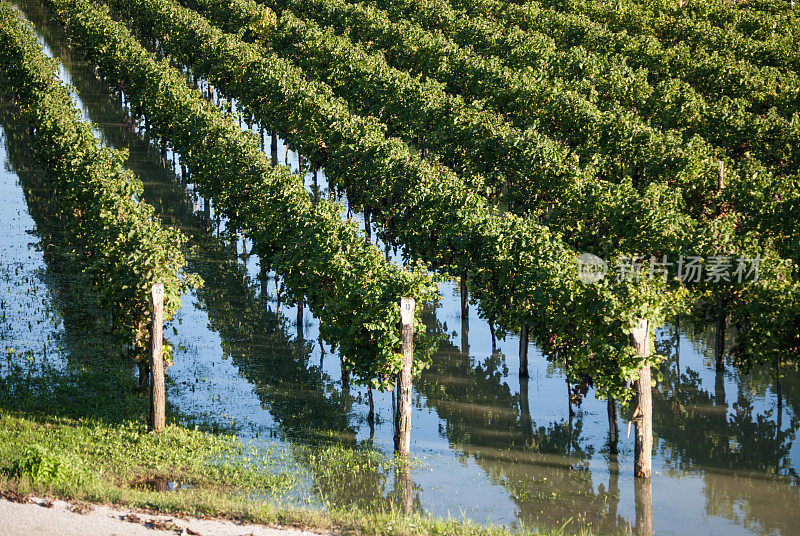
[(489, 447)]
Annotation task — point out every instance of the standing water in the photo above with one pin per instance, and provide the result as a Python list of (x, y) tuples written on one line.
[(489, 446)]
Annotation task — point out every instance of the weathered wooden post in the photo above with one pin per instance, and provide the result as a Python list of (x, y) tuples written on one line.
[(300, 336), (371, 414), (525, 410), (492, 334), (158, 401), (464, 315), (643, 414), (402, 438), (345, 376), (523, 351), (719, 335), (613, 431), (464, 297)]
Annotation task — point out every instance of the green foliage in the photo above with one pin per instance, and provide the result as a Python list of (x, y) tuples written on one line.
[(120, 245), (37, 465), (517, 268), (661, 194), (609, 83), (344, 280)]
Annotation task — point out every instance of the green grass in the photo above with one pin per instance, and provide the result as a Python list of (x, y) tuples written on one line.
[(106, 463), (78, 433), (72, 426)]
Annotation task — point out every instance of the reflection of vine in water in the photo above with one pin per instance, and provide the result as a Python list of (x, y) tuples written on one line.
[(744, 457), (96, 366), (306, 407), (485, 420), (309, 412)]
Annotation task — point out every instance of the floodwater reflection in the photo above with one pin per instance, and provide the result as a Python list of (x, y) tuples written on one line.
[(493, 445)]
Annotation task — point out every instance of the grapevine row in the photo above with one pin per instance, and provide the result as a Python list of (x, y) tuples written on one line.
[(736, 187), (673, 23), (751, 176), (625, 229), (476, 143), (410, 46), (711, 74), (616, 143), (521, 274), (535, 170), (324, 261), (119, 243), (671, 105)]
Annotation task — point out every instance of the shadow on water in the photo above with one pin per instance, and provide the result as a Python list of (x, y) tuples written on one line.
[(299, 396), (719, 430), (743, 456), (82, 370), (543, 467)]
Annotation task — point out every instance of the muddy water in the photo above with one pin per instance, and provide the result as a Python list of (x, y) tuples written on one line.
[(489, 447)]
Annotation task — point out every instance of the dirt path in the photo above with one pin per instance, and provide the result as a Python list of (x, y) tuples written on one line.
[(41, 517)]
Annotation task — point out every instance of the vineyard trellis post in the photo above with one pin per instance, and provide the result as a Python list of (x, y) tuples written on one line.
[(613, 431), (523, 351), (643, 414), (402, 438), (157, 392)]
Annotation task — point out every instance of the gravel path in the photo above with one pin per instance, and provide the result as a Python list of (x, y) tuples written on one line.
[(41, 517)]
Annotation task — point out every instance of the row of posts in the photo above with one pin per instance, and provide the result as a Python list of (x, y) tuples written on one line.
[(402, 417), (642, 416)]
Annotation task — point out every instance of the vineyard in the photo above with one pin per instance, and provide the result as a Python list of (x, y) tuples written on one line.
[(588, 178)]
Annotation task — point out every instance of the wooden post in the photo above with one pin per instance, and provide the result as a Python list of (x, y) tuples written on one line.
[(371, 414), (523, 351), (402, 438), (719, 335), (464, 297), (465, 335), (158, 401), (492, 334), (264, 277), (345, 376), (300, 336), (316, 188), (569, 394), (525, 410), (643, 414), (367, 225), (613, 431)]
